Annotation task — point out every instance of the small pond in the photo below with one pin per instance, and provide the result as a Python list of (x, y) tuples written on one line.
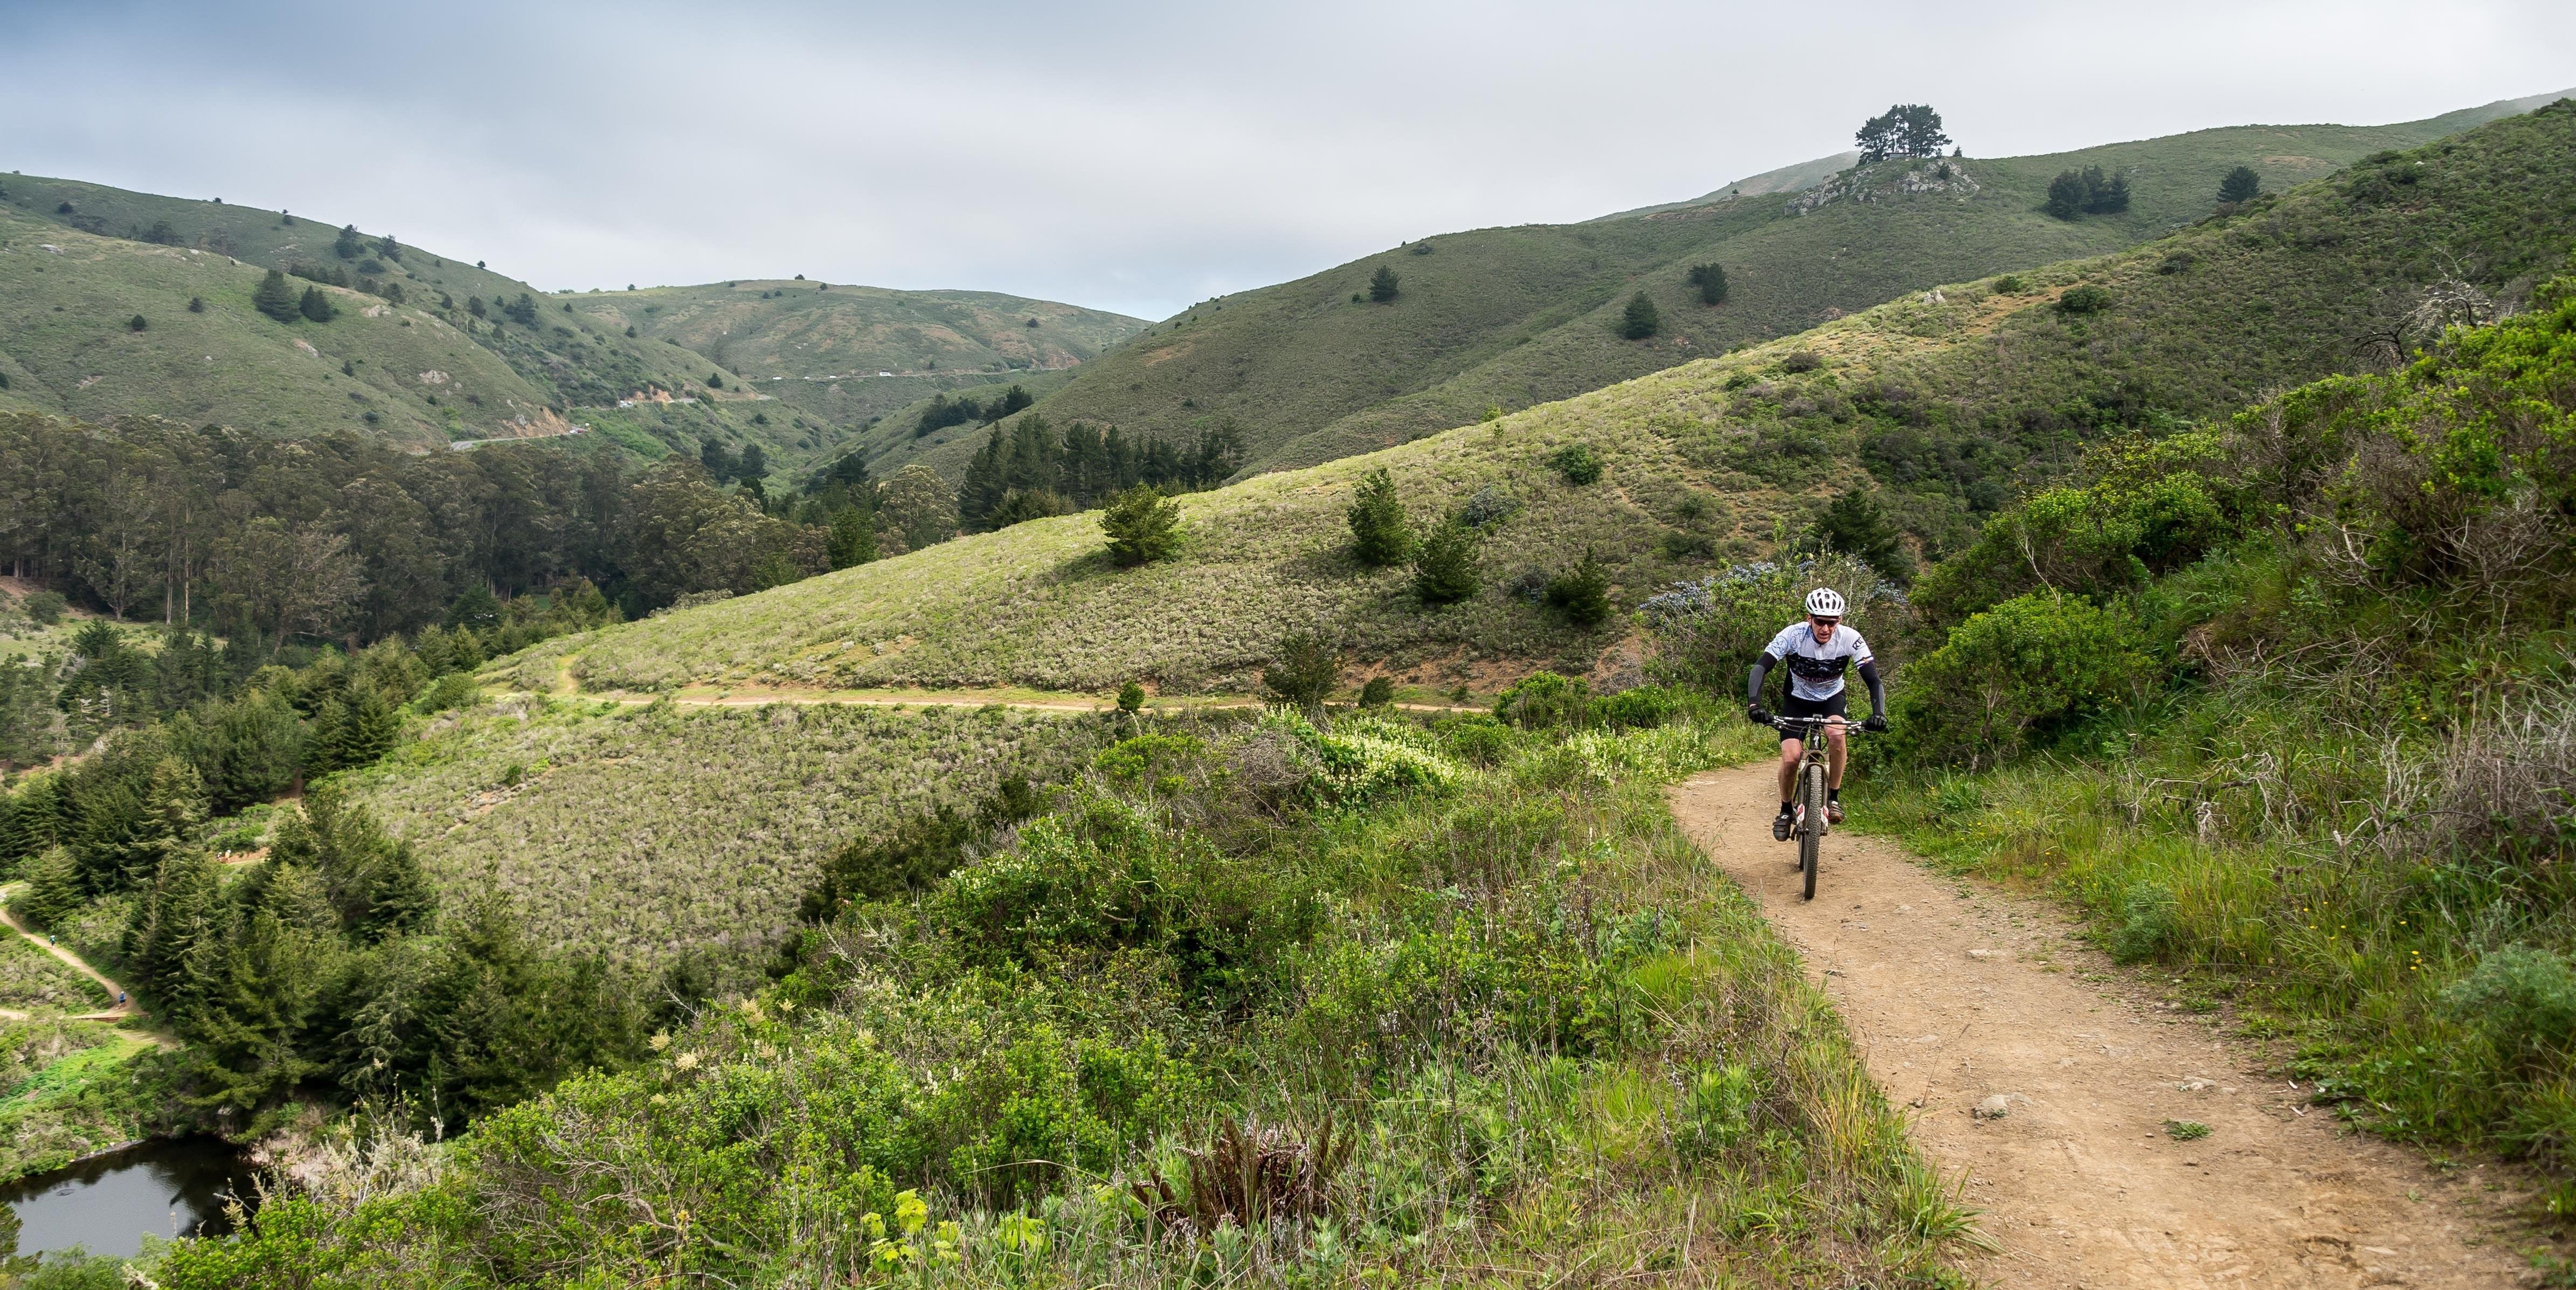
[(167, 1187)]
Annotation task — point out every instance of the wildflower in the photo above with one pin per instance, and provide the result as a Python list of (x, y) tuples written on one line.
[(687, 1061), (659, 1041)]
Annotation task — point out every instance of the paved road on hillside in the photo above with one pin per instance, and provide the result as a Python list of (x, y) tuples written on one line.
[(1957, 994)]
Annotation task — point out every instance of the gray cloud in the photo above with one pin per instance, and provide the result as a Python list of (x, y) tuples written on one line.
[(1132, 157)]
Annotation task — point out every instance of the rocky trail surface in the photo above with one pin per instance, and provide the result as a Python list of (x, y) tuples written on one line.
[(1969, 1003)]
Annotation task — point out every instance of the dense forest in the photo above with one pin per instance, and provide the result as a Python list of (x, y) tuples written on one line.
[(342, 538)]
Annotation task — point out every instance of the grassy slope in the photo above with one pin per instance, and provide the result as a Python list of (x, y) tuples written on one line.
[(645, 831), (1525, 315), (1949, 401), (258, 378), (1565, 1049), (821, 350)]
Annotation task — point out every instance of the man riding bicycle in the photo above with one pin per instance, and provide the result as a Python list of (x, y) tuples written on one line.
[(1817, 651)]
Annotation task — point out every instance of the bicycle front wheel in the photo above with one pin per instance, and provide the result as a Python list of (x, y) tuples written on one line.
[(1811, 839)]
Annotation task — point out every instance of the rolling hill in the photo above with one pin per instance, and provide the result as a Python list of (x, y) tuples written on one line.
[(80, 261), (1947, 401), (849, 355), (1512, 317)]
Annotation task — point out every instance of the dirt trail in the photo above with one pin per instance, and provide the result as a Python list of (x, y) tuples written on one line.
[(1958, 994), (114, 991)]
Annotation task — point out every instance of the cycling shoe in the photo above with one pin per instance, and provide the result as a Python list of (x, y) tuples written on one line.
[(1780, 827)]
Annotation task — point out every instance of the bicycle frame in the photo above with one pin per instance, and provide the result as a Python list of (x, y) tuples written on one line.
[(1809, 822)]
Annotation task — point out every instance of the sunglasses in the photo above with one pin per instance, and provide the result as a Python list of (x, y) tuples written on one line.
[(1824, 622)]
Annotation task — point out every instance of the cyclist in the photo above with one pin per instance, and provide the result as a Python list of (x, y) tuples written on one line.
[(1817, 651)]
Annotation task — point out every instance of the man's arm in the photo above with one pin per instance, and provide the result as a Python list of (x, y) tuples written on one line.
[(1877, 694), (1753, 684)]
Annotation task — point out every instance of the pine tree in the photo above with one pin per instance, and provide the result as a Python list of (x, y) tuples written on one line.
[(368, 727), (1854, 525), (1582, 592), (275, 298), (55, 888), (852, 538), (1142, 526), (2066, 195), (1305, 668), (315, 305), (2240, 185), (1380, 534), (349, 246), (1382, 285), (1711, 281), (1640, 321), (1444, 569)]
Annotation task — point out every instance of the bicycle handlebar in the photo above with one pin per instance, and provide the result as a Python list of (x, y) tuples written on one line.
[(1809, 723)]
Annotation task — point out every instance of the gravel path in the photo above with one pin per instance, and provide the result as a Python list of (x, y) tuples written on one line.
[(1967, 1001)]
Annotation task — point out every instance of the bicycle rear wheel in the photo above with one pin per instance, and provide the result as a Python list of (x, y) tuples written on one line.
[(1811, 838)]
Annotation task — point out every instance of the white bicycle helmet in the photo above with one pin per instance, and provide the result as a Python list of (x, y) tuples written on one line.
[(1825, 602)]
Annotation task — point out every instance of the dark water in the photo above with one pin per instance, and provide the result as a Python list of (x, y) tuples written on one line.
[(168, 1187)]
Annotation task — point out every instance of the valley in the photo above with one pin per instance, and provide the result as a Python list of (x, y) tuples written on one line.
[(1314, 837)]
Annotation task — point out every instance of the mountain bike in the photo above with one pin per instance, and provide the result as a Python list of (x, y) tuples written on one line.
[(1809, 823)]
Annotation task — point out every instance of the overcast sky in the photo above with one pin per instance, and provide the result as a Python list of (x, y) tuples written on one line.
[(1133, 157)]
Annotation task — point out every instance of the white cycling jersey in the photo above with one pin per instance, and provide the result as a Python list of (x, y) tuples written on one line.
[(1816, 671)]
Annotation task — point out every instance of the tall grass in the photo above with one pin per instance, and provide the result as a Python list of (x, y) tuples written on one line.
[(1515, 1027)]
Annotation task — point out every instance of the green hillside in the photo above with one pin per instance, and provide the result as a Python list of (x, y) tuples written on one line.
[(1946, 406), (1518, 316), (728, 797), (428, 368), (848, 355)]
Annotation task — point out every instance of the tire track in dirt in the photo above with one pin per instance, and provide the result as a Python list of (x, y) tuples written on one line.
[(1958, 994)]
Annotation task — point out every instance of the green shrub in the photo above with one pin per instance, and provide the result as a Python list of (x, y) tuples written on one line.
[(2084, 300), (46, 607), (1577, 462), (1444, 566), (1716, 1112), (1380, 533), (1544, 699), (2012, 676), (1638, 709), (1303, 670), (1582, 593), (1131, 698), (1473, 737), (2524, 1000), (1142, 526), (1382, 285), (1378, 693), (2149, 924), (2155, 505)]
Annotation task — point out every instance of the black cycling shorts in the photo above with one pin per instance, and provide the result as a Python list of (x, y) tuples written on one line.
[(1793, 706)]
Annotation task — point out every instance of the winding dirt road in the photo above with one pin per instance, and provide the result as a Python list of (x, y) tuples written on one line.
[(114, 991), (1959, 995)]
